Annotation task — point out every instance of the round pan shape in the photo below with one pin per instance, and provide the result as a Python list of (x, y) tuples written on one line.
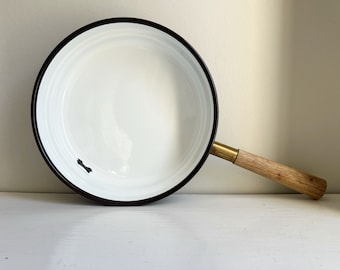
[(124, 111)]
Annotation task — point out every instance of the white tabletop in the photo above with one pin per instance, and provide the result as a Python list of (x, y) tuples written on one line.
[(65, 231)]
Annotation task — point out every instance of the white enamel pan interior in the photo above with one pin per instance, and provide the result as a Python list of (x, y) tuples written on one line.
[(124, 111)]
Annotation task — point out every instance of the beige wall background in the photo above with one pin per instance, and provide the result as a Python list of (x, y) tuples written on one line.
[(276, 66)]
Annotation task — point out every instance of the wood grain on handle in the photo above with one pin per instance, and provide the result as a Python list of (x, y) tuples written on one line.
[(294, 179)]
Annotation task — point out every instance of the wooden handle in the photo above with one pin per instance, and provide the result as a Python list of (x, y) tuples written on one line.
[(299, 181)]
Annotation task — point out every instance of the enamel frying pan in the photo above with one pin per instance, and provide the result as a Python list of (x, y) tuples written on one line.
[(124, 111)]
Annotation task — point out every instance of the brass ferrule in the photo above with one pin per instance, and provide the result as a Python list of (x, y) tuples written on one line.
[(224, 151)]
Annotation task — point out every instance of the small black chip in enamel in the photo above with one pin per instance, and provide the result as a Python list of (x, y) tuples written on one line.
[(88, 169)]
